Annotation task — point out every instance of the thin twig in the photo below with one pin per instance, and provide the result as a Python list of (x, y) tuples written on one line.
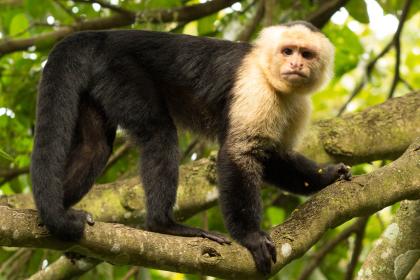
[(370, 66), (120, 152), (35, 24), (131, 272), (409, 87), (246, 33), (365, 76), (190, 147), (358, 246), (397, 44), (329, 246), (322, 15), (381, 222)]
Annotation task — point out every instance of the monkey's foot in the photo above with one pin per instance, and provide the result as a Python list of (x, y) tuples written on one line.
[(262, 249), (181, 230)]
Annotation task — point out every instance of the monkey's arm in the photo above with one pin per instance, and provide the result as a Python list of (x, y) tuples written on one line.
[(298, 174)]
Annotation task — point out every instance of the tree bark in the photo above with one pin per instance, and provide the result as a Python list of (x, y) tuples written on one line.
[(379, 132), (398, 249), (123, 201)]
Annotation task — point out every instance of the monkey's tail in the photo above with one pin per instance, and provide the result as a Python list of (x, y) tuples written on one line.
[(57, 113)]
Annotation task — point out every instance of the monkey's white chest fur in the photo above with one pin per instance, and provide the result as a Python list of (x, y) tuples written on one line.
[(258, 111)]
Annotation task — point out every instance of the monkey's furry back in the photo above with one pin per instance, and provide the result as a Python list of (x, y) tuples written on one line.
[(83, 66)]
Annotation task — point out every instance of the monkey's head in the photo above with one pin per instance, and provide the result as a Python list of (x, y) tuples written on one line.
[(296, 58)]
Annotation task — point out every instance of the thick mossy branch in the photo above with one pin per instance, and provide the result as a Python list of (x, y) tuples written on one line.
[(380, 132), (334, 205), (123, 201)]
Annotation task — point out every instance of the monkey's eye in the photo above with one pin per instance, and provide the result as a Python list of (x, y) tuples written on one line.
[(287, 51), (308, 55)]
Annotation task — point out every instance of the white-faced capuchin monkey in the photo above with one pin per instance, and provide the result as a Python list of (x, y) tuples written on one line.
[(252, 98)]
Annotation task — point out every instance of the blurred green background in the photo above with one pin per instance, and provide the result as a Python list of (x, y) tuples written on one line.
[(360, 30)]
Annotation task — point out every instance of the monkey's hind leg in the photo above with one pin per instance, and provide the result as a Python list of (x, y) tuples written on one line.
[(159, 173), (90, 151)]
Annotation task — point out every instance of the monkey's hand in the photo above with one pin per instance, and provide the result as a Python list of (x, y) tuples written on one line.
[(262, 249), (334, 172)]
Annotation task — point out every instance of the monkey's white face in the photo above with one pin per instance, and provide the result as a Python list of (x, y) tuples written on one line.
[(295, 59), (295, 62)]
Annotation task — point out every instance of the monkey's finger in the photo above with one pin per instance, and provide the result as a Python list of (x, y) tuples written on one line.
[(216, 237), (262, 259), (39, 222), (271, 248), (348, 176), (345, 172), (89, 219)]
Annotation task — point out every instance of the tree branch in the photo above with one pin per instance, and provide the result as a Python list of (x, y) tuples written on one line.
[(181, 14), (328, 208), (397, 45), (415, 272), (321, 16), (329, 246), (367, 73), (64, 268), (123, 201), (357, 250), (398, 250), (246, 33), (8, 175), (354, 137)]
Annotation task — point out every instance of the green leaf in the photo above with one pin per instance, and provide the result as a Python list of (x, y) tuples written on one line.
[(358, 10), (348, 48), (19, 25), (206, 25), (6, 15), (275, 215), (396, 6), (391, 6)]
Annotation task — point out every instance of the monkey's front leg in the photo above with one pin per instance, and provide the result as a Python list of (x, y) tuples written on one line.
[(298, 174), (239, 182)]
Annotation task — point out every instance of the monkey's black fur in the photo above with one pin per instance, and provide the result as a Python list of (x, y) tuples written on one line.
[(146, 82)]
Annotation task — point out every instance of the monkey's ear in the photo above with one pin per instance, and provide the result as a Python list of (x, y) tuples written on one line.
[(327, 54)]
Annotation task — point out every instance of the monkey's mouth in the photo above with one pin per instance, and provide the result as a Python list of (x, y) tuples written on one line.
[(295, 74)]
